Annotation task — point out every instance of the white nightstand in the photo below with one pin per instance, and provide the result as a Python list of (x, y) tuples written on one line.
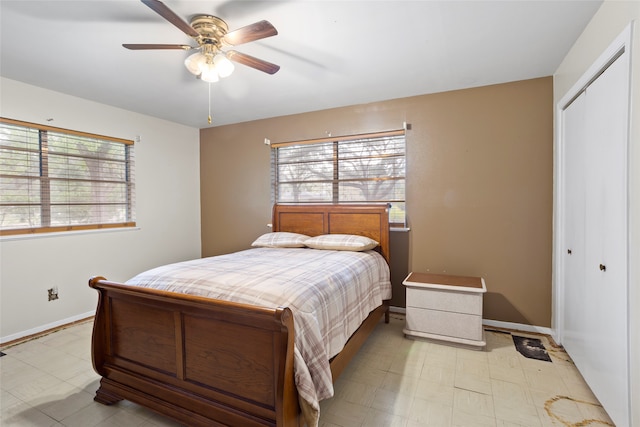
[(447, 308)]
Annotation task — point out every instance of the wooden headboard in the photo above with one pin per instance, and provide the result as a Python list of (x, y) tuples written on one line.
[(364, 220)]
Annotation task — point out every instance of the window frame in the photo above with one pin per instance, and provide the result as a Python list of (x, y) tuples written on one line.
[(336, 181), (45, 178)]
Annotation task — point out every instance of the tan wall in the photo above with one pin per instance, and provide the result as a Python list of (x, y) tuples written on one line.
[(479, 186)]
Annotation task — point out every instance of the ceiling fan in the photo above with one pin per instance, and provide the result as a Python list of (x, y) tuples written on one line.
[(213, 36)]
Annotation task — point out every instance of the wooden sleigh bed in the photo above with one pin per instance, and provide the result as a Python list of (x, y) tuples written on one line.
[(180, 355)]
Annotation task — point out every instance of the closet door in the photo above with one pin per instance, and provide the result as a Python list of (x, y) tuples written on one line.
[(606, 238), (594, 233), (575, 338)]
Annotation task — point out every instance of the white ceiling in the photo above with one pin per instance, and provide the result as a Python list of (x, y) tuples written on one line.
[(331, 53)]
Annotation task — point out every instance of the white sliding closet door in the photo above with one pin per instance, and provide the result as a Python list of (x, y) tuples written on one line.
[(606, 220), (595, 234), (576, 337)]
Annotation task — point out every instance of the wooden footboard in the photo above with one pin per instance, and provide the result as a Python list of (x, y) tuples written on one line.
[(200, 361)]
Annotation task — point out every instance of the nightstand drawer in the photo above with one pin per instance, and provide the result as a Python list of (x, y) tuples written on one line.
[(445, 300), (445, 323)]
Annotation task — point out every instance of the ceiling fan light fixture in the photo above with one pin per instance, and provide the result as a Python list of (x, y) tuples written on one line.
[(209, 73), (223, 65), (195, 63)]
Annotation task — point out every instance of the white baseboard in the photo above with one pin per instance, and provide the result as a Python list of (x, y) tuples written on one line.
[(518, 326), (43, 328)]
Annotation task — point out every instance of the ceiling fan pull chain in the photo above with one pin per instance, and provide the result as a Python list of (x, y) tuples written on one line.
[(209, 118)]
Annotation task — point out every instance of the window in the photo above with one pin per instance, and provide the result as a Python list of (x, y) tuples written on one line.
[(53, 179), (356, 169)]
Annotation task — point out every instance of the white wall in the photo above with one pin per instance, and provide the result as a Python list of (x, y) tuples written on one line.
[(612, 17), (167, 175)]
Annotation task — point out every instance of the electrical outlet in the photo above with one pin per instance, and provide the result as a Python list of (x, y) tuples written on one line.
[(53, 293)]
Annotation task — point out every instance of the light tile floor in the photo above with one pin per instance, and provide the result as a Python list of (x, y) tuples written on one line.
[(393, 381)]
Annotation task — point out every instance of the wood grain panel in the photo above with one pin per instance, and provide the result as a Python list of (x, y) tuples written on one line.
[(239, 360), (311, 224), (143, 334), (368, 224)]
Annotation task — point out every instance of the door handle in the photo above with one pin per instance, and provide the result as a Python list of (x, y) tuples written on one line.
[(603, 267), (569, 251)]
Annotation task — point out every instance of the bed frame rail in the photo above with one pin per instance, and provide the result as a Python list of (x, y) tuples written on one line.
[(228, 363)]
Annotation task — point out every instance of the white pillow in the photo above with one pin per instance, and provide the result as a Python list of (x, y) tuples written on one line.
[(280, 239), (341, 242)]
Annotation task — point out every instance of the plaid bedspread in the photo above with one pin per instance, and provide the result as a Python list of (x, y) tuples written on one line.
[(329, 293)]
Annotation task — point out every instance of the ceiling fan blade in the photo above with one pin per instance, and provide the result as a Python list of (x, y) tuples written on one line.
[(162, 10), (253, 62), (156, 46), (257, 31)]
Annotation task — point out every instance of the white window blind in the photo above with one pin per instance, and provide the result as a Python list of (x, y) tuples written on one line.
[(356, 169), (53, 179)]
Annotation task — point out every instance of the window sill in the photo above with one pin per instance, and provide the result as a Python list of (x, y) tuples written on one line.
[(66, 233)]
